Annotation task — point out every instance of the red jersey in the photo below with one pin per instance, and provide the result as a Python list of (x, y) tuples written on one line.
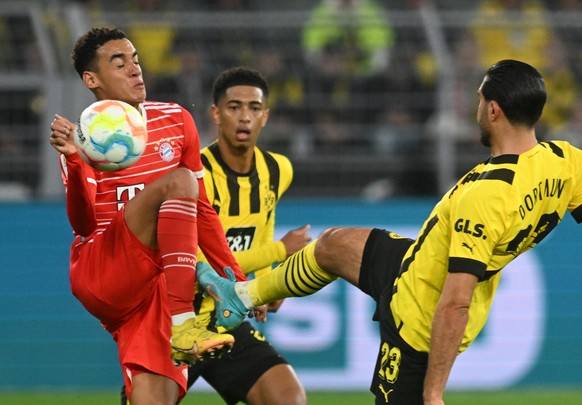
[(172, 141)]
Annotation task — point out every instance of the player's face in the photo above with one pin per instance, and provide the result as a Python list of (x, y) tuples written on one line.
[(118, 75), (483, 120), (240, 116)]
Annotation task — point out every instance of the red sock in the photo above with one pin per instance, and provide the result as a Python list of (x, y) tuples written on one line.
[(178, 243)]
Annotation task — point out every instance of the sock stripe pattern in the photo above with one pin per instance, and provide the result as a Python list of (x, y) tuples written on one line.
[(184, 207), (304, 276), (298, 276)]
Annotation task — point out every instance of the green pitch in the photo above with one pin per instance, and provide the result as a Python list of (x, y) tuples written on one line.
[(513, 397)]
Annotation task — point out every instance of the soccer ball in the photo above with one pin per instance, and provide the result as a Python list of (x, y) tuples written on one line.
[(111, 135)]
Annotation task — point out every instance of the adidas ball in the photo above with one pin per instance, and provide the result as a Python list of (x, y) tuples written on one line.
[(111, 135)]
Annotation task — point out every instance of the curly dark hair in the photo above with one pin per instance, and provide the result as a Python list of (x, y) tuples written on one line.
[(84, 53), (238, 76)]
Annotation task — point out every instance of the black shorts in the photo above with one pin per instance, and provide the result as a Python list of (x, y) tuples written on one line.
[(400, 370), (233, 375)]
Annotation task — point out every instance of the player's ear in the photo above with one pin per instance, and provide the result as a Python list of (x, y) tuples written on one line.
[(265, 118), (494, 110), (215, 114), (90, 79)]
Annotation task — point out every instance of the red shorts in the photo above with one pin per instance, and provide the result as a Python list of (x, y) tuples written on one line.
[(120, 282)]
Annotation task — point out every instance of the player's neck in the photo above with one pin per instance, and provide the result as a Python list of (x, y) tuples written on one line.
[(238, 160), (514, 143)]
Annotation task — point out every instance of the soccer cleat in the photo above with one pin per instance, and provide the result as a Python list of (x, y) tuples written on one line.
[(191, 335), (230, 310)]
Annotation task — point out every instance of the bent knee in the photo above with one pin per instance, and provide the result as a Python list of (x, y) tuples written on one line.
[(327, 244), (181, 182), (339, 250)]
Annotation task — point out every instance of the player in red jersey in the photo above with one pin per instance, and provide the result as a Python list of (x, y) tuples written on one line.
[(136, 230)]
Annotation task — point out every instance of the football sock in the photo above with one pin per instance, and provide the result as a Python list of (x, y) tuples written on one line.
[(298, 276), (178, 243)]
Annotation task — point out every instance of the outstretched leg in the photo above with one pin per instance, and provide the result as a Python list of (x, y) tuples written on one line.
[(336, 253)]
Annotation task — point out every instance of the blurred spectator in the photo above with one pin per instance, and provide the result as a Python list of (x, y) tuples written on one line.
[(18, 49), (515, 29), (190, 86), (561, 85), (571, 131), (286, 99), (396, 133), (570, 34), (345, 42), (154, 36), (519, 29), (358, 30)]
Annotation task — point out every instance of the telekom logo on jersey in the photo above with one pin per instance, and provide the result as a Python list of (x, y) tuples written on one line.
[(126, 193)]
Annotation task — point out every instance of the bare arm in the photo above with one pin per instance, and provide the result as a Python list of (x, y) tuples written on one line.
[(448, 327)]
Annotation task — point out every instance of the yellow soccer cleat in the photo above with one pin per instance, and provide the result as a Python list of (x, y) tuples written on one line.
[(192, 342)]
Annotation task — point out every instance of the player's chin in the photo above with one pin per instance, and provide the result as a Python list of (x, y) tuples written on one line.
[(138, 94)]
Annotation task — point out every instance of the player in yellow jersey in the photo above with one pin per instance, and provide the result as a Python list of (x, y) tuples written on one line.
[(434, 293), (244, 184)]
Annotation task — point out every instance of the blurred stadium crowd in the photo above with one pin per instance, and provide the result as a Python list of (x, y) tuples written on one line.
[(369, 98)]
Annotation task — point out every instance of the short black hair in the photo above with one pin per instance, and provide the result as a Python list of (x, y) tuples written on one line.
[(519, 90), (238, 76), (84, 53)]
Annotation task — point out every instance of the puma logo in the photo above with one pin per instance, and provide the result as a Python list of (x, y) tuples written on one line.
[(468, 247), (384, 392)]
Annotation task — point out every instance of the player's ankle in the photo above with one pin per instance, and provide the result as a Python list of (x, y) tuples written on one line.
[(242, 291)]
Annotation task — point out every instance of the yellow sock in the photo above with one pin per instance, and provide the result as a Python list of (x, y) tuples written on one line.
[(298, 276)]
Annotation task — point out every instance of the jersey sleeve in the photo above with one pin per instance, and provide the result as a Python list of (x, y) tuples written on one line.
[(286, 172), (575, 204), (191, 152), (211, 237), (81, 187), (260, 259), (266, 251)]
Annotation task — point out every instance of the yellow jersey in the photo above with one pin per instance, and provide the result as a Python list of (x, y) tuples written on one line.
[(245, 204), (500, 209)]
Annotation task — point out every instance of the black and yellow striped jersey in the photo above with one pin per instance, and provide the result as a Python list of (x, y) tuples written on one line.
[(245, 203), (500, 209)]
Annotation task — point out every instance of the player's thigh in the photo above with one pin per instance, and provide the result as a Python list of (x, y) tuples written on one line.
[(279, 385), (141, 212), (234, 375), (381, 261), (151, 388), (339, 251)]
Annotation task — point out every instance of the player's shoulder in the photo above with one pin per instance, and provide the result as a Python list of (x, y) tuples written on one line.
[(560, 147), (282, 161), (161, 108), (209, 153)]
